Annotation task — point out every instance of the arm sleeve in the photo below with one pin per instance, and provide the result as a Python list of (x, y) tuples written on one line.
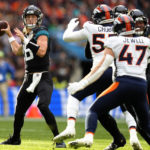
[(72, 36), (98, 73)]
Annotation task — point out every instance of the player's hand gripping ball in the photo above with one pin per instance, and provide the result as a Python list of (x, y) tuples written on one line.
[(3, 25)]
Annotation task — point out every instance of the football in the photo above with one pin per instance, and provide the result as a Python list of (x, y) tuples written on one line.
[(3, 25)]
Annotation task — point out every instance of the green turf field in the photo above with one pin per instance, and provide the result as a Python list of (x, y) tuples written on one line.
[(36, 135)]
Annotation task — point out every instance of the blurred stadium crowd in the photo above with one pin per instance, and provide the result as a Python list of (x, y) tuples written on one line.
[(57, 14)]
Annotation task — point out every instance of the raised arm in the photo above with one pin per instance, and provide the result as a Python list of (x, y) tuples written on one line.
[(16, 47), (40, 47), (70, 35)]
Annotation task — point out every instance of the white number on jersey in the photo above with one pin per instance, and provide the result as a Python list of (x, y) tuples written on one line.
[(125, 56), (28, 54), (96, 41)]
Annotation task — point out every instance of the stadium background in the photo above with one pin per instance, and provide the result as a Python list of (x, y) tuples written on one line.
[(68, 62)]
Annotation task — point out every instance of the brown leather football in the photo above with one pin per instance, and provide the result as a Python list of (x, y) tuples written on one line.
[(3, 25)]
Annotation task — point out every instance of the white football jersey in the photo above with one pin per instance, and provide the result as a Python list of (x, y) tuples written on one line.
[(97, 35), (131, 54)]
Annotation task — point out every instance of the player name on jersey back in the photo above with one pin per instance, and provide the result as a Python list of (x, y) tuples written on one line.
[(133, 40), (104, 29), (131, 54)]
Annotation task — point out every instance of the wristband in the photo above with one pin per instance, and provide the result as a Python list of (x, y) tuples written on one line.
[(11, 39)]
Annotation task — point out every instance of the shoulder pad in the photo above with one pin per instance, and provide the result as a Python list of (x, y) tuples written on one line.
[(40, 31), (37, 29)]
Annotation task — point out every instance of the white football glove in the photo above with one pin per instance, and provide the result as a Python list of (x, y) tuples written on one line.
[(76, 86), (73, 23)]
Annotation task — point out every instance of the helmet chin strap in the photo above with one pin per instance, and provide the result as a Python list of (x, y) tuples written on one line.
[(138, 32), (30, 26)]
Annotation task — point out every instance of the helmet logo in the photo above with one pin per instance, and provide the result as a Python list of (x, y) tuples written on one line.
[(102, 14), (32, 10), (124, 25)]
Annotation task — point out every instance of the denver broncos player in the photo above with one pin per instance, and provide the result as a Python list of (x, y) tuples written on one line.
[(130, 87), (37, 80), (96, 33), (121, 9), (142, 29), (141, 22)]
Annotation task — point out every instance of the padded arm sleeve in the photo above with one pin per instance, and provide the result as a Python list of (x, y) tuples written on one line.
[(72, 36)]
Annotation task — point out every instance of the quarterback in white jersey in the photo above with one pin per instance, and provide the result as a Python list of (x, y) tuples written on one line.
[(131, 54)]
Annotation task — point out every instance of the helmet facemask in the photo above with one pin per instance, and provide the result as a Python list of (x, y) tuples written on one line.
[(140, 21), (32, 10), (30, 26), (140, 26)]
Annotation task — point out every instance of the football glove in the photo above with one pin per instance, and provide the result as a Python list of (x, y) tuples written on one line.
[(73, 23), (77, 86)]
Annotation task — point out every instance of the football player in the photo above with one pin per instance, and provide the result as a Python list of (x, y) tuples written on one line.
[(37, 80), (118, 10), (96, 33), (131, 54), (141, 22), (142, 29)]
